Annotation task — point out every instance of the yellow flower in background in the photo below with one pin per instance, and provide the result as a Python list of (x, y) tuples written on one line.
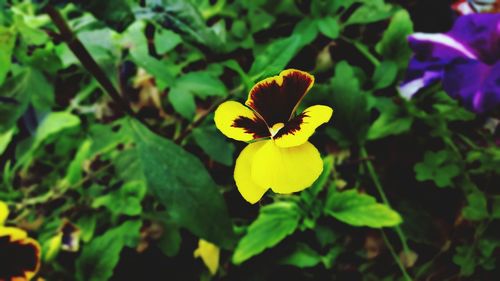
[(209, 253), (280, 156), (19, 254)]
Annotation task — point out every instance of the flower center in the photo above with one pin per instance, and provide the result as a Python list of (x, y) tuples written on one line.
[(276, 128)]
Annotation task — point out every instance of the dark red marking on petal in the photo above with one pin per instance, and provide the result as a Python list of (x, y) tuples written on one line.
[(256, 127), (276, 103), (291, 126), (17, 258)]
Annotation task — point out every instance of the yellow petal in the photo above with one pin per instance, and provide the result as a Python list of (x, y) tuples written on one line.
[(298, 130), (242, 173), (238, 122), (14, 233), (4, 212), (209, 253), (286, 170)]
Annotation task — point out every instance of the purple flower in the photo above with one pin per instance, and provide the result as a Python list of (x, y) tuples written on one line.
[(466, 60)]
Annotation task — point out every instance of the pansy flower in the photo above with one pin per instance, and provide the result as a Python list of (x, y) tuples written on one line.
[(466, 60), (279, 155), (19, 254)]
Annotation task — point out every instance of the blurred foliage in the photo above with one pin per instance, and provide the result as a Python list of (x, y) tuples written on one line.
[(141, 189)]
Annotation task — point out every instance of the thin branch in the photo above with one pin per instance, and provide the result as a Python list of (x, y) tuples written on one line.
[(88, 61)]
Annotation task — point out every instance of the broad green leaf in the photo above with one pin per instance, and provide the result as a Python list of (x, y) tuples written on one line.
[(438, 167), (99, 258), (215, 145), (181, 183), (42, 91), (275, 57), (14, 99), (359, 209), (274, 223), (394, 44)]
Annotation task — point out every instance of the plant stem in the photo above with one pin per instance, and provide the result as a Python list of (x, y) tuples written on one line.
[(395, 256), (86, 59), (380, 189)]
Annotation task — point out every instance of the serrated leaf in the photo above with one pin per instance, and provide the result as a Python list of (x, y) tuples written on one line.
[(438, 167), (274, 223), (392, 120), (359, 209), (182, 184)]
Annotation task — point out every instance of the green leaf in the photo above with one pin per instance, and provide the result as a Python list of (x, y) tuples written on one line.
[(5, 139), (359, 209), (350, 103), (274, 223), (438, 167), (42, 91), (275, 56), (394, 44), (201, 84), (329, 27), (181, 183), (385, 74), (371, 11), (99, 258), (7, 42), (166, 40), (477, 208), (115, 13), (14, 99), (74, 172), (302, 257), (53, 124), (126, 200), (214, 144), (183, 17), (392, 120), (170, 241)]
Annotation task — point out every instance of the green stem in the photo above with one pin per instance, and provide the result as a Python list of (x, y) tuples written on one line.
[(395, 256), (363, 50), (380, 189)]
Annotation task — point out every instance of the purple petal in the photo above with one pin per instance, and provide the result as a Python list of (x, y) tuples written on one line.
[(439, 47), (481, 33), (475, 84)]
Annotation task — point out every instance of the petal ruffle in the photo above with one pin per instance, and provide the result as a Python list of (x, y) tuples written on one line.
[(276, 98), (298, 130), (238, 122), (20, 254), (286, 170), (249, 189)]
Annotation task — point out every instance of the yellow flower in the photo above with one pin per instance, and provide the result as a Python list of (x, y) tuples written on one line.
[(19, 254), (279, 155), (209, 253)]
